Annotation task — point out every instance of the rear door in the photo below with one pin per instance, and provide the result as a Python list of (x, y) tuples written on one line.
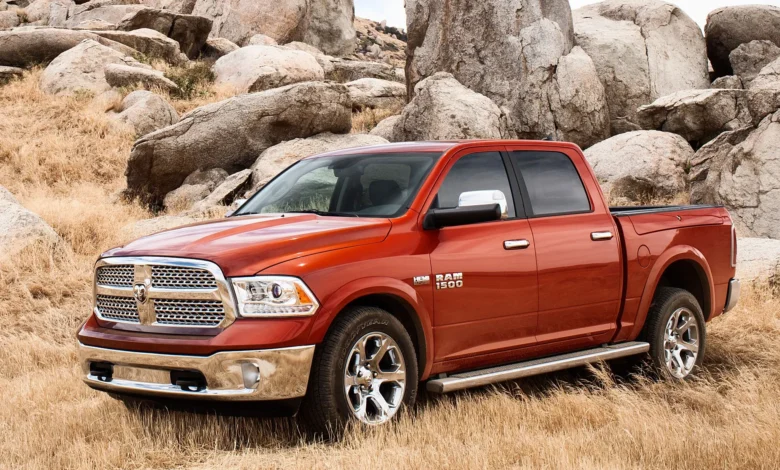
[(577, 247)]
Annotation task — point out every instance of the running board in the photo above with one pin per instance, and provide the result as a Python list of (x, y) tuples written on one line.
[(519, 370)]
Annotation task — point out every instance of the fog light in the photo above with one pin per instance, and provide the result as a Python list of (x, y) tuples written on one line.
[(251, 373)]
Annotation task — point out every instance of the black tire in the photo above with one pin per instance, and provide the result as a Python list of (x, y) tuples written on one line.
[(325, 411), (667, 301)]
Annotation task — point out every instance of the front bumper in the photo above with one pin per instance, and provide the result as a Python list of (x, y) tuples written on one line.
[(732, 297), (263, 375)]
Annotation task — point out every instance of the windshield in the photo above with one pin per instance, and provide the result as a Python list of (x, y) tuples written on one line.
[(366, 185)]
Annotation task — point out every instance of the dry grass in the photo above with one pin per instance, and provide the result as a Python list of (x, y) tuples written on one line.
[(65, 160), (364, 121)]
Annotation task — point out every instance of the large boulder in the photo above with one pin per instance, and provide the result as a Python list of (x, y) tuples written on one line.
[(729, 27), (330, 26), (82, 69), (9, 19), (376, 93), (641, 165), (258, 68), (40, 46), (741, 170), (758, 260), (508, 51), (444, 109), (190, 31), (149, 42), (768, 78), (120, 76), (700, 115), (217, 47), (48, 12), (277, 158), (729, 82), (642, 50), (20, 228), (112, 13), (386, 127), (146, 112), (231, 134), (749, 58)]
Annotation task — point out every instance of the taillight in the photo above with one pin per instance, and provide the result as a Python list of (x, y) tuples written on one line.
[(733, 246)]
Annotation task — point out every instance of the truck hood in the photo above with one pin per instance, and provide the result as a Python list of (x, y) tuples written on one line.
[(243, 246)]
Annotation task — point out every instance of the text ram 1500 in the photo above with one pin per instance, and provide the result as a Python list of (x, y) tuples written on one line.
[(354, 276)]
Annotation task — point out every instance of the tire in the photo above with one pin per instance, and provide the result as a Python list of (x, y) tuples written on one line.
[(329, 406), (676, 345)]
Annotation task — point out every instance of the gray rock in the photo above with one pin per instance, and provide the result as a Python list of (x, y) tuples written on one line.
[(768, 78), (642, 50), (277, 158), (119, 75), (330, 26), (444, 109), (111, 12), (82, 69), (190, 31), (48, 12), (217, 47), (700, 115), (212, 177), (758, 260), (729, 82), (224, 194), (20, 228), (344, 70), (176, 6), (641, 165), (385, 128), (377, 94), (146, 112), (9, 19), (231, 133), (258, 68), (149, 42), (40, 46), (9, 73), (261, 40), (186, 196), (749, 58), (302, 46), (729, 27)]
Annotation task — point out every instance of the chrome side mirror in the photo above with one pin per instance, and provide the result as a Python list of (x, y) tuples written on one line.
[(235, 206), (483, 198)]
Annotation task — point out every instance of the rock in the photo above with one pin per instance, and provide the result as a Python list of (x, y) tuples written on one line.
[(506, 50), (119, 76), (758, 260), (302, 46), (184, 197), (95, 25), (225, 193), (212, 177), (107, 12), (768, 78), (261, 40), (48, 12), (176, 6), (231, 133), (331, 26), (20, 228), (729, 82), (376, 93), (749, 58), (146, 112), (143, 228), (443, 109), (217, 47), (743, 173), (40, 46), (642, 50), (386, 128), (258, 68), (729, 27), (277, 158), (641, 165), (9, 19), (190, 31), (344, 70), (82, 69), (149, 42), (700, 115), (9, 73)]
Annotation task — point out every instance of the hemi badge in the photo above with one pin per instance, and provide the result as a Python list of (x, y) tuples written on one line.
[(422, 280)]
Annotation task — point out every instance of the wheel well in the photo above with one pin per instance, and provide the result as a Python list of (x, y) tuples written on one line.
[(690, 276), (405, 313)]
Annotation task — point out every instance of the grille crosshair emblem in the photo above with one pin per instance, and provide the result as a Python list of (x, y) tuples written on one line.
[(139, 292)]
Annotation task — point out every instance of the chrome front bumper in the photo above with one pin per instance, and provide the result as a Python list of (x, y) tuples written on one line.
[(271, 374), (732, 298)]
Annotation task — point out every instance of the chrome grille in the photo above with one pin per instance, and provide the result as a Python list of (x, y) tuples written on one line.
[(118, 308), (120, 275), (173, 277), (189, 312)]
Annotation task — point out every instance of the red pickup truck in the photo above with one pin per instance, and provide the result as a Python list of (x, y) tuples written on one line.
[(354, 276)]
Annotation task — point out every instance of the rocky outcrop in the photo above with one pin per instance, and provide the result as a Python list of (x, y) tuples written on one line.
[(749, 58), (149, 42), (729, 27), (758, 260), (700, 115), (642, 50), (118, 75), (82, 69), (231, 134), (190, 31), (146, 112), (377, 94), (741, 170), (20, 228), (279, 157), (41, 46), (258, 68), (729, 82), (444, 109), (641, 165), (508, 51)]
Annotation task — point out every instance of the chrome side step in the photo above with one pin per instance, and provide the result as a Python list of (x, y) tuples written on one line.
[(519, 370)]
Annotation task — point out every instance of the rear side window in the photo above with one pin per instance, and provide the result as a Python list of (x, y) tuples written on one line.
[(553, 184), (483, 171)]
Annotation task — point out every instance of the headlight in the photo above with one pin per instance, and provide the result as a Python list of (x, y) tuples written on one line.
[(273, 296)]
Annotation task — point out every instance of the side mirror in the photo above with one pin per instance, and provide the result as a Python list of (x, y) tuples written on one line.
[(484, 198), (439, 218), (235, 206)]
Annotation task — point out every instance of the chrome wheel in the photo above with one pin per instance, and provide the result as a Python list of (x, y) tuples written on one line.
[(375, 378), (681, 343)]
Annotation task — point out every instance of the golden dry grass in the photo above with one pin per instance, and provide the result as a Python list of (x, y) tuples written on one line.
[(65, 160)]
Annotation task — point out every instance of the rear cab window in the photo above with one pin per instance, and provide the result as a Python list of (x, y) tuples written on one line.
[(550, 183)]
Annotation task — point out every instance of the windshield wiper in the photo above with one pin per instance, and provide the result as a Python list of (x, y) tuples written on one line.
[(323, 213)]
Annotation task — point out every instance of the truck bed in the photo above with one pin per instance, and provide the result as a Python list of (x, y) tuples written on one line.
[(621, 211)]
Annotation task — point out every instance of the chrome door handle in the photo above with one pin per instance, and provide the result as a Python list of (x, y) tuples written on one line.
[(516, 244), (601, 236)]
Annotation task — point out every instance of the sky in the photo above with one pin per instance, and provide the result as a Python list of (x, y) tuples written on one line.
[(393, 10)]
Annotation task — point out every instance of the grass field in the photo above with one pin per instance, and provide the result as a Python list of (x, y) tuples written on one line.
[(65, 160)]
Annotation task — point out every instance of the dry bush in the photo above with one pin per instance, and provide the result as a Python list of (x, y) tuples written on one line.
[(365, 120)]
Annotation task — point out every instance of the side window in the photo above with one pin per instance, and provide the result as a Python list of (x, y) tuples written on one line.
[(553, 184), (476, 172)]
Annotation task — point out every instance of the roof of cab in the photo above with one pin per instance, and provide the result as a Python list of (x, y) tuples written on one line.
[(433, 146)]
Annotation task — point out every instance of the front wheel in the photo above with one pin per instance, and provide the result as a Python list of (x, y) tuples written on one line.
[(365, 371)]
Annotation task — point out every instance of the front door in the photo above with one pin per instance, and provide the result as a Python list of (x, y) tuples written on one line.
[(483, 275)]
